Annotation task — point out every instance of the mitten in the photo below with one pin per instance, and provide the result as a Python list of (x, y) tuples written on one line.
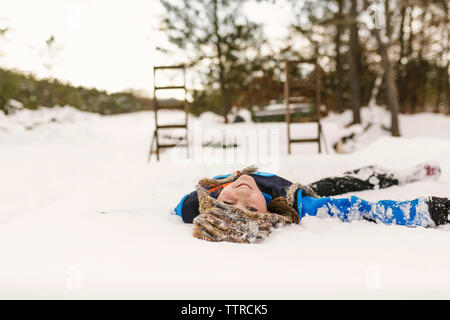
[(439, 209)]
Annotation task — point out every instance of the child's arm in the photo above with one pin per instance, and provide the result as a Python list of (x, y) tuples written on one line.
[(410, 213), (187, 208), (374, 177)]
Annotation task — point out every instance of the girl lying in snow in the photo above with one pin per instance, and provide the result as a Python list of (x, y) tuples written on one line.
[(245, 205)]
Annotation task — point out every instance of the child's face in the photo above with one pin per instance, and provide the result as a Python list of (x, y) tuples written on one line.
[(243, 193)]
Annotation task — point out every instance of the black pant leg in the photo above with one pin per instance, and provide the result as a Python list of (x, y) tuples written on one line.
[(339, 185), (377, 177), (365, 178)]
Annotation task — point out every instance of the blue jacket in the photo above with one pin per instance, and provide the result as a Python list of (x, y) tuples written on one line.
[(410, 213)]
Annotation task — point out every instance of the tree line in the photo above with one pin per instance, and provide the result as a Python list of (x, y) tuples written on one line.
[(395, 52), (33, 93)]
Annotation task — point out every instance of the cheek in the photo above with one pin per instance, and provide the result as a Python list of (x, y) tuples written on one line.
[(224, 194), (261, 202)]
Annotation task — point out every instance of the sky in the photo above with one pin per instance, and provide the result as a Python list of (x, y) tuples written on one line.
[(106, 44)]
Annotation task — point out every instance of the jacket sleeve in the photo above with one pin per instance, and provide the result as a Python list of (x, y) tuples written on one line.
[(409, 213), (188, 207)]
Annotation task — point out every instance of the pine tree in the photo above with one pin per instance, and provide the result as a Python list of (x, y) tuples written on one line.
[(214, 33)]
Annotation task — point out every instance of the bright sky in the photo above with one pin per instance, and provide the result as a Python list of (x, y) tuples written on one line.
[(107, 44)]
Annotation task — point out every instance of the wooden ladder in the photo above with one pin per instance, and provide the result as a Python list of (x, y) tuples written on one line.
[(155, 145), (288, 100)]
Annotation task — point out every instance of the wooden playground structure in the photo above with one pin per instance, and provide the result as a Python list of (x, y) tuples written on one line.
[(156, 145), (315, 118)]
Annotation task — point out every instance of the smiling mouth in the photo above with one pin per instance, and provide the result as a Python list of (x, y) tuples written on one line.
[(243, 184)]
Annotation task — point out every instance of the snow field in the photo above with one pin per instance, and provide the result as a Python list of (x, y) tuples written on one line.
[(83, 215)]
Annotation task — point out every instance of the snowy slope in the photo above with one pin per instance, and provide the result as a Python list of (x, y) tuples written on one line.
[(83, 215)]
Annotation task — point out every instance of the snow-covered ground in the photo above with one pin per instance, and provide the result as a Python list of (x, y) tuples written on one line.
[(84, 215)]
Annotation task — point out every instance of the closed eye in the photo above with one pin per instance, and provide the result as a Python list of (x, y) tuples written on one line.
[(252, 209)]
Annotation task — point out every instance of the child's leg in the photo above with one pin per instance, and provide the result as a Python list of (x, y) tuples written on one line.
[(373, 177), (365, 178), (423, 171)]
